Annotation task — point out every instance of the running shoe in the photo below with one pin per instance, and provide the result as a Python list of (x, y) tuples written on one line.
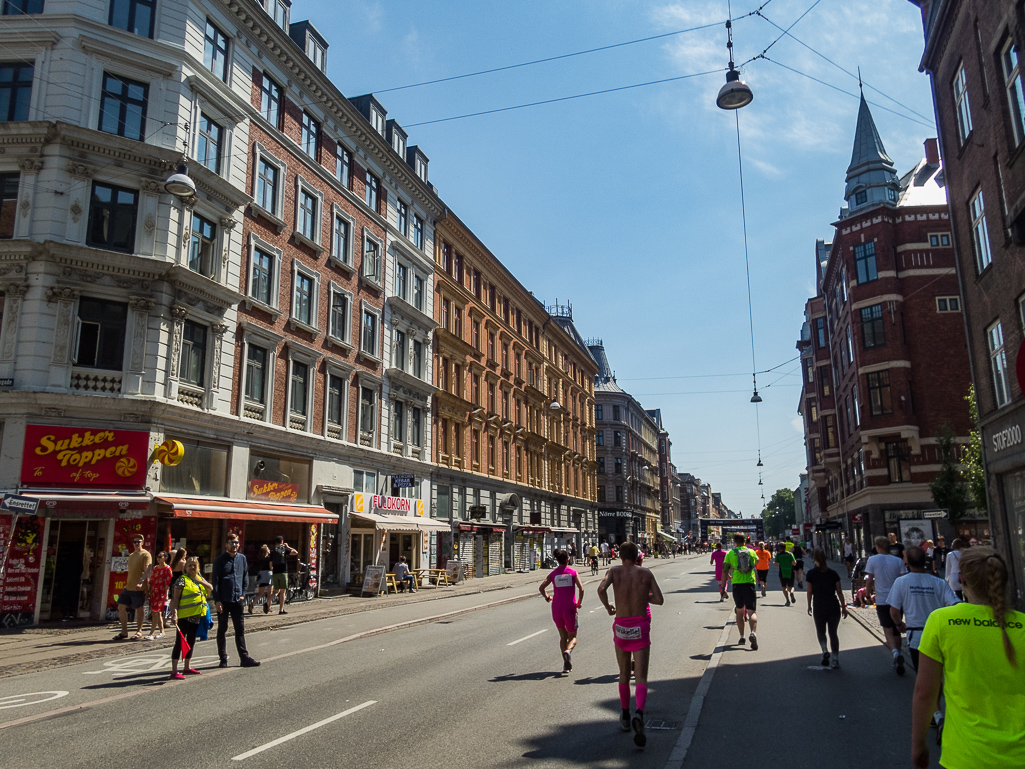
[(624, 720), (640, 740), (834, 662), (898, 664), (825, 659), (722, 597), (741, 641), (763, 592), (788, 602), (266, 607), (177, 677), (754, 642), (567, 662)]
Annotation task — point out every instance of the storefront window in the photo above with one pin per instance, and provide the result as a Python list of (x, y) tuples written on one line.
[(278, 479), (1014, 503), (203, 470)]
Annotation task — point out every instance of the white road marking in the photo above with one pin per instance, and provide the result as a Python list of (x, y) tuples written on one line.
[(131, 666), (526, 637), (310, 728), (21, 700)]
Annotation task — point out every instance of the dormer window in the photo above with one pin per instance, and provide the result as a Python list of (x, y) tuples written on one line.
[(891, 194), (306, 37), (421, 167), (377, 119), (398, 143), (860, 197), (316, 53), (278, 9)]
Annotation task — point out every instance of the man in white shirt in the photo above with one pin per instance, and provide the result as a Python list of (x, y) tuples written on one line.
[(882, 571), (917, 595), (954, 566), (605, 553)]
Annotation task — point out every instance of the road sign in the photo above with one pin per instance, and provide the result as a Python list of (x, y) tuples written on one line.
[(935, 513), (15, 503)]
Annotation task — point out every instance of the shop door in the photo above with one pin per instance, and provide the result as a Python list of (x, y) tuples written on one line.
[(466, 550), (400, 544), (478, 552), (495, 555), (74, 567)]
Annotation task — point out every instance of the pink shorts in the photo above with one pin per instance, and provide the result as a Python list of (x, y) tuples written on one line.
[(632, 633), (565, 617)]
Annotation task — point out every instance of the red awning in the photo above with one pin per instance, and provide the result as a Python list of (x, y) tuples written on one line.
[(85, 505), (214, 507), (532, 530)]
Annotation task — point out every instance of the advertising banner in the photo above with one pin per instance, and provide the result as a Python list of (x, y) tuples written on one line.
[(273, 491), (73, 456), (127, 526), (370, 503), (311, 556), (19, 583)]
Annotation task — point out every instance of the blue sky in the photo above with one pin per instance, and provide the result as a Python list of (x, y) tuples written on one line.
[(628, 204)]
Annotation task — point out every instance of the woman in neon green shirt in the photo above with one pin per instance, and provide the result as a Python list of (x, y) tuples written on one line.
[(977, 651)]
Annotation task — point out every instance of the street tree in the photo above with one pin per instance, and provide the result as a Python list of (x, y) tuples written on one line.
[(949, 489), (778, 515), (973, 472)]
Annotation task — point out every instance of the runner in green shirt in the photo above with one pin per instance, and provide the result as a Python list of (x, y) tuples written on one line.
[(740, 566), (786, 560)]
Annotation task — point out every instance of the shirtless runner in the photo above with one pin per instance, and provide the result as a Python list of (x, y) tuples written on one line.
[(635, 587)]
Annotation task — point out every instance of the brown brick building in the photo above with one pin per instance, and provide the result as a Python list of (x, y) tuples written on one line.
[(514, 412), (885, 365), (973, 57)]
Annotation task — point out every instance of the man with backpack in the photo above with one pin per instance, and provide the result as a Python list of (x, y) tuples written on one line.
[(740, 566), (279, 567)]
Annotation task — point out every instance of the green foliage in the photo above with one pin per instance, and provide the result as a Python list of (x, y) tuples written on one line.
[(973, 472), (949, 489), (778, 515)]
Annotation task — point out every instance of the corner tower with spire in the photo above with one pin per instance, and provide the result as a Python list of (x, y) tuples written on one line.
[(871, 176)]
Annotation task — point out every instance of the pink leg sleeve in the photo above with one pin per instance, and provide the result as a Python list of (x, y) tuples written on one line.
[(642, 695)]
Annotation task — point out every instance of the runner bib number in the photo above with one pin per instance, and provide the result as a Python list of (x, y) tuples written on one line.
[(563, 580), (628, 633)]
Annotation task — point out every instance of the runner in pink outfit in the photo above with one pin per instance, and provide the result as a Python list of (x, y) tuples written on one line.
[(718, 558), (564, 605)]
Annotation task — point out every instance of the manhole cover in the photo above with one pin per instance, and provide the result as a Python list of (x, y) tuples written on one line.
[(656, 724)]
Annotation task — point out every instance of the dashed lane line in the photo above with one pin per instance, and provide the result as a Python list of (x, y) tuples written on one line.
[(526, 637), (300, 732)]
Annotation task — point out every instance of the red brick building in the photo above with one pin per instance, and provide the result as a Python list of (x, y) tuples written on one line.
[(885, 363), (973, 57)]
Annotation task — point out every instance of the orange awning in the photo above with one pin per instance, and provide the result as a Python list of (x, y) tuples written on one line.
[(215, 507)]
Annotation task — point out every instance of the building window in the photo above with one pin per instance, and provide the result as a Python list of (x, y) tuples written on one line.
[(598, 411), (998, 364), (416, 426), (278, 9), (939, 240), (192, 367), (209, 143), (898, 463), (370, 192), (202, 247), (310, 132), (398, 421), (135, 16), (964, 115), (372, 260), (1011, 65), (215, 51), (100, 334), (367, 411), (491, 345), (980, 233), (948, 304), (256, 373), (261, 285), (335, 399), (873, 330), (418, 300), (599, 438), (850, 346), (316, 52), (377, 119), (303, 298), (617, 438), (368, 338), (418, 359), (615, 414), (601, 465), (402, 289), (865, 262), (857, 407), (267, 180), (830, 431), (399, 350), (418, 232), (402, 217), (15, 91), (879, 393), (298, 395), (123, 107), (8, 204), (309, 216), (820, 333), (338, 321), (343, 164), (619, 493), (270, 101), (340, 235), (112, 215), (475, 389)]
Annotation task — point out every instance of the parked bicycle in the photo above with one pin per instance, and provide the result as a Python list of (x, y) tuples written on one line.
[(302, 584)]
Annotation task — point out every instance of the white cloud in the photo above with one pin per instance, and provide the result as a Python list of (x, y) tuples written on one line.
[(798, 424)]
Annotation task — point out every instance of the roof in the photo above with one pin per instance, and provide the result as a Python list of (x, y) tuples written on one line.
[(924, 185), (605, 379), (871, 169), (566, 324)]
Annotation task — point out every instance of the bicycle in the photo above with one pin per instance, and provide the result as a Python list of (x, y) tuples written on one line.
[(594, 566), (301, 584)]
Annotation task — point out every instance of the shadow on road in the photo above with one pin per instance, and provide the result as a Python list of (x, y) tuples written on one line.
[(525, 677), (609, 679)]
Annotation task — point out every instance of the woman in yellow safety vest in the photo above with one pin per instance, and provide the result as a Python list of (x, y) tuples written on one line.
[(188, 609)]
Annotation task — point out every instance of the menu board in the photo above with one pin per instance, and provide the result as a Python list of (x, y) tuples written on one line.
[(19, 585), (311, 556), (126, 527), (373, 580)]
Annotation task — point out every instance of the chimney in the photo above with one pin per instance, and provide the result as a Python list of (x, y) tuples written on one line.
[(932, 152)]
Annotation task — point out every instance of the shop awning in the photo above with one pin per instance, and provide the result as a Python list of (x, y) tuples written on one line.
[(385, 522), (214, 507), (431, 524), (91, 505), (563, 530), (667, 537), (532, 529)]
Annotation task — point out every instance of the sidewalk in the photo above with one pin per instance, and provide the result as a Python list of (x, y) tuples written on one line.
[(27, 650)]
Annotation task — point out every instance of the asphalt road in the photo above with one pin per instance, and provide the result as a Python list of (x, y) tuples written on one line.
[(473, 688)]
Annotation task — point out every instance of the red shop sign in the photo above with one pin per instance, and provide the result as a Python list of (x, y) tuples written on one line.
[(73, 456)]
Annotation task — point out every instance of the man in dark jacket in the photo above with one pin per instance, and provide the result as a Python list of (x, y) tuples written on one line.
[(230, 577)]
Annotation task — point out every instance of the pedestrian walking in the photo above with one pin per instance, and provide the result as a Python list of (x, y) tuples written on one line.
[(133, 596), (230, 578), (939, 557), (953, 566), (564, 607), (976, 650), (572, 550), (881, 571), (718, 557), (762, 567), (159, 582), (279, 570), (635, 588), (894, 547), (798, 553), (785, 561), (188, 608), (264, 575), (739, 566), (605, 553), (826, 605), (848, 556), (916, 595)]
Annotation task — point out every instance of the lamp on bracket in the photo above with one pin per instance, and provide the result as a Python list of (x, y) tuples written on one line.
[(735, 93), (179, 183)]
